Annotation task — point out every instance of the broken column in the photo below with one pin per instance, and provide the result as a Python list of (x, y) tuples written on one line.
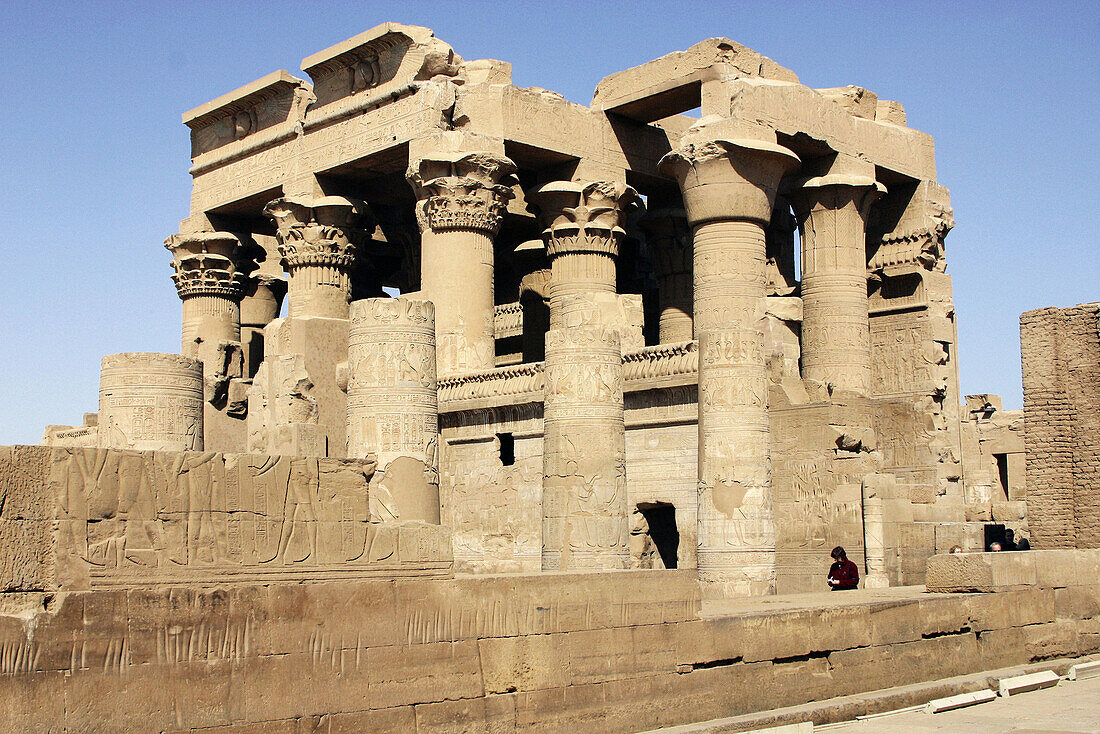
[(729, 186), (669, 237), (584, 226), (463, 183), (832, 212), (392, 400), (151, 401), (584, 502)]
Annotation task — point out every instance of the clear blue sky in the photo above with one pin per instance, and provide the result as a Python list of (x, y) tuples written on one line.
[(93, 157)]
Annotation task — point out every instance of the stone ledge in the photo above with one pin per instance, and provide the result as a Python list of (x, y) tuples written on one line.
[(985, 572)]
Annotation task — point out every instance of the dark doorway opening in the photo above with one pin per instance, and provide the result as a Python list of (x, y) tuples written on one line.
[(507, 449), (661, 518)]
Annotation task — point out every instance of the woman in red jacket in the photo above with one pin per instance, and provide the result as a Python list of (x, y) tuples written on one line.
[(843, 574)]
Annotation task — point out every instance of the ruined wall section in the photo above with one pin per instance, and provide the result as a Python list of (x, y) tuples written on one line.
[(1061, 361)]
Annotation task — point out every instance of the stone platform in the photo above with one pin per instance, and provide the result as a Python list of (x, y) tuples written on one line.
[(610, 652)]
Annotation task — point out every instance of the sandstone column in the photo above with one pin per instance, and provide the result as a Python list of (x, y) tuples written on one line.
[(832, 213), (463, 195), (669, 237), (151, 401), (584, 226), (729, 189), (210, 284), (584, 502), (318, 240), (392, 400)]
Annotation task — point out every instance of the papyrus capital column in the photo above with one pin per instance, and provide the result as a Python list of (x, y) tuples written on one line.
[(318, 241), (832, 213), (669, 237), (584, 499), (392, 399), (583, 230), (729, 187), (462, 195)]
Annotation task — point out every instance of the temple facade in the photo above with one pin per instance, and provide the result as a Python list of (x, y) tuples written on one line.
[(577, 337)]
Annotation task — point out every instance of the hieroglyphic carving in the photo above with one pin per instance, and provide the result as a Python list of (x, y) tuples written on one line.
[(585, 519), (150, 401), (392, 397), (127, 517)]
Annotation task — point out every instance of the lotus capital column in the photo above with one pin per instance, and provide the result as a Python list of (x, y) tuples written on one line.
[(583, 230), (729, 187), (462, 197)]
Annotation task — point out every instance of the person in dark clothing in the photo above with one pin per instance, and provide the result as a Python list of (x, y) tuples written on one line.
[(843, 574)]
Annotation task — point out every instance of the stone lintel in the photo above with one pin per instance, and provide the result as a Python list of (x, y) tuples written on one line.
[(671, 84)]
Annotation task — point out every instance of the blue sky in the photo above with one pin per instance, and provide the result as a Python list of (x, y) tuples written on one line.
[(93, 157)]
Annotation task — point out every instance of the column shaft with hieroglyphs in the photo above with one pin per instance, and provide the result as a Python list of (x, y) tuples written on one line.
[(669, 237), (151, 401), (318, 240), (583, 229), (463, 184), (393, 408), (584, 499), (832, 211), (729, 187)]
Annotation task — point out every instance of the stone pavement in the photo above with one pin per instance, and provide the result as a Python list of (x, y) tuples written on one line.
[(1071, 707)]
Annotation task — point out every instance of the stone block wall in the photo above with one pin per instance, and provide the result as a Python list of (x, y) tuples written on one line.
[(610, 652), (1061, 363)]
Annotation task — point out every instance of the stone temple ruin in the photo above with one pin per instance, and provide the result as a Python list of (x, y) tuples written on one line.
[(437, 323)]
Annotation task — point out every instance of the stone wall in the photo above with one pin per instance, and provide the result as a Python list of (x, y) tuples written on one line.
[(86, 518), (1061, 360), (610, 652)]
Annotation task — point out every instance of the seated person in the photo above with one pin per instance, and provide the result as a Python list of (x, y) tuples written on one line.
[(843, 574)]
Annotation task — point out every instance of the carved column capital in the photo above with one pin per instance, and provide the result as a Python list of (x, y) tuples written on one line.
[(323, 231), (462, 190), (585, 217), (206, 264), (836, 191), (727, 179)]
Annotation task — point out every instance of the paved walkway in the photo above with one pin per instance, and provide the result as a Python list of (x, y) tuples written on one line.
[(1073, 707)]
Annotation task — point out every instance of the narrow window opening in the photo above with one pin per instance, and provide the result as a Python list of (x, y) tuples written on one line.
[(507, 449), (1002, 471)]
